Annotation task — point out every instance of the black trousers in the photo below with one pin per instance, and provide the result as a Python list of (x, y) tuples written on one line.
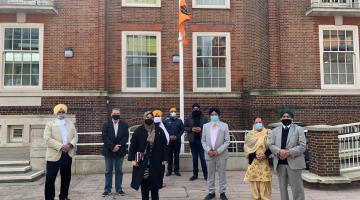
[(145, 190), (198, 151), (174, 152), (52, 168)]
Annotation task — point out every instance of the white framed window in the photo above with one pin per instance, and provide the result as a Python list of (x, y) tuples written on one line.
[(21, 55), (16, 134), (141, 3), (141, 61), (211, 62), (216, 4), (339, 56)]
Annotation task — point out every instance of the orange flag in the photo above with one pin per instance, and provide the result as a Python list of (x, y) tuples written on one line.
[(184, 16)]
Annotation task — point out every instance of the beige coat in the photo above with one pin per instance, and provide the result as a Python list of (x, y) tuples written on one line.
[(52, 136)]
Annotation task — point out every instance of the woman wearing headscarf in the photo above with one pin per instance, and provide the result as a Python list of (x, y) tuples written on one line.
[(61, 139), (258, 173), (148, 154)]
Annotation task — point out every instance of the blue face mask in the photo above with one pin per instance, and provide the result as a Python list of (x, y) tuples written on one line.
[(259, 126), (61, 116), (214, 118)]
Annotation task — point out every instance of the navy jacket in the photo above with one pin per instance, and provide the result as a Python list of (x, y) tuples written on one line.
[(109, 139), (174, 126)]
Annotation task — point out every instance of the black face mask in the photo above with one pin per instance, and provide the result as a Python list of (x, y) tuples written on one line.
[(286, 122), (115, 117), (196, 113), (149, 121)]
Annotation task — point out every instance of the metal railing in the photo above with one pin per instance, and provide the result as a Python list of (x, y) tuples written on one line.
[(335, 4), (349, 128), (28, 2), (349, 151), (236, 145)]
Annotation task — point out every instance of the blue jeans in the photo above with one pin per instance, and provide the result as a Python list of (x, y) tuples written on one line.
[(109, 164)]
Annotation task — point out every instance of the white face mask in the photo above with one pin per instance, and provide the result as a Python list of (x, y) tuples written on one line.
[(173, 114), (157, 119)]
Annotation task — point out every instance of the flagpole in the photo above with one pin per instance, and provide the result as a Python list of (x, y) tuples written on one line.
[(181, 82)]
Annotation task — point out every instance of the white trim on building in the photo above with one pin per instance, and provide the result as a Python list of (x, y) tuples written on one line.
[(197, 4), (126, 3)]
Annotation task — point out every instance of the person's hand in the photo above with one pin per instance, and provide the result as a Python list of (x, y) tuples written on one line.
[(116, 148), (283, 154), (134, 163), (211, 153), (65, 148), (215, 153), (260, 156), (196, 129), (173, 137), (164, 162)]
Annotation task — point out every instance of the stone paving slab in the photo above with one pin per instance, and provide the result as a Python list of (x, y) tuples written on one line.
[(90, 187)]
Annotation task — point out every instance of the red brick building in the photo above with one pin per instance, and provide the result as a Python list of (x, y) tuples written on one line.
[(250, 58)]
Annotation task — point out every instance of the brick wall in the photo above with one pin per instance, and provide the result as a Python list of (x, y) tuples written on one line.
[(323, 149)]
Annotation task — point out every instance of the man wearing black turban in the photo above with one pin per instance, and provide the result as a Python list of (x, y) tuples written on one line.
[(288, 146)]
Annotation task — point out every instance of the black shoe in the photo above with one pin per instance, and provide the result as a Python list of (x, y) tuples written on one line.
[(223, 196), (205, 178), (177, 174), (122, 193), (64, 199), (168, 174), (210, 196), (193, 178), (104, 194)]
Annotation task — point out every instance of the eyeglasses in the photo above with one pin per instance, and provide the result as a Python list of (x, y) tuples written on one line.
[(61, 112)]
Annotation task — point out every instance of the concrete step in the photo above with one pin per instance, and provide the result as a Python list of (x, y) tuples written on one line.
[(10, 169), (25, 177), (15, 162)]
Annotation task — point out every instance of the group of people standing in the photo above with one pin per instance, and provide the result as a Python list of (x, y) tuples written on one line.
[(157, 142)]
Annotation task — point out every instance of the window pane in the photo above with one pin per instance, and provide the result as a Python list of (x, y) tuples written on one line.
[(200, 82), (130, 72), (207, 72), (137, 82), (153, 82), (349, 68), (153, 72), (34, 80), (130, 82), (145, 82), (145, 72), (17, 45), (200, 72), (327, 79), (17, 68), (141, 1), (350, 79), (35, 69), (25, 34), (222, 82), (17, 33), (334, 41), (35, 33), (211, 2), (215, 72), (137, 72), (34, 44), (17, 80), (207, 82), (222, 73), (342, 78), (35, 57), (18, 57), (8, 45), (8, 68), (9, 57), (25, 45), (26, 57), (215, 83), (200, 62), (8, 80), (26, 80), (334, 79), (26, 69), (9, 33)]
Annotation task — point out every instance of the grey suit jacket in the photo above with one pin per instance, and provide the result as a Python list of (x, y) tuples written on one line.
[(296, 144), (222, 140)]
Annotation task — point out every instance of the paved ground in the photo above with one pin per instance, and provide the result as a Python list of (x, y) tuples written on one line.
[(180, 188)]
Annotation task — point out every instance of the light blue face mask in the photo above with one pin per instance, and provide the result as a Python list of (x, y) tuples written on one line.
[(214, 118), (259, 126), (61, 116)]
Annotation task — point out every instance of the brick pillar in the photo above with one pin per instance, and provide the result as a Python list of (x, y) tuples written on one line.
[(323, 147)]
